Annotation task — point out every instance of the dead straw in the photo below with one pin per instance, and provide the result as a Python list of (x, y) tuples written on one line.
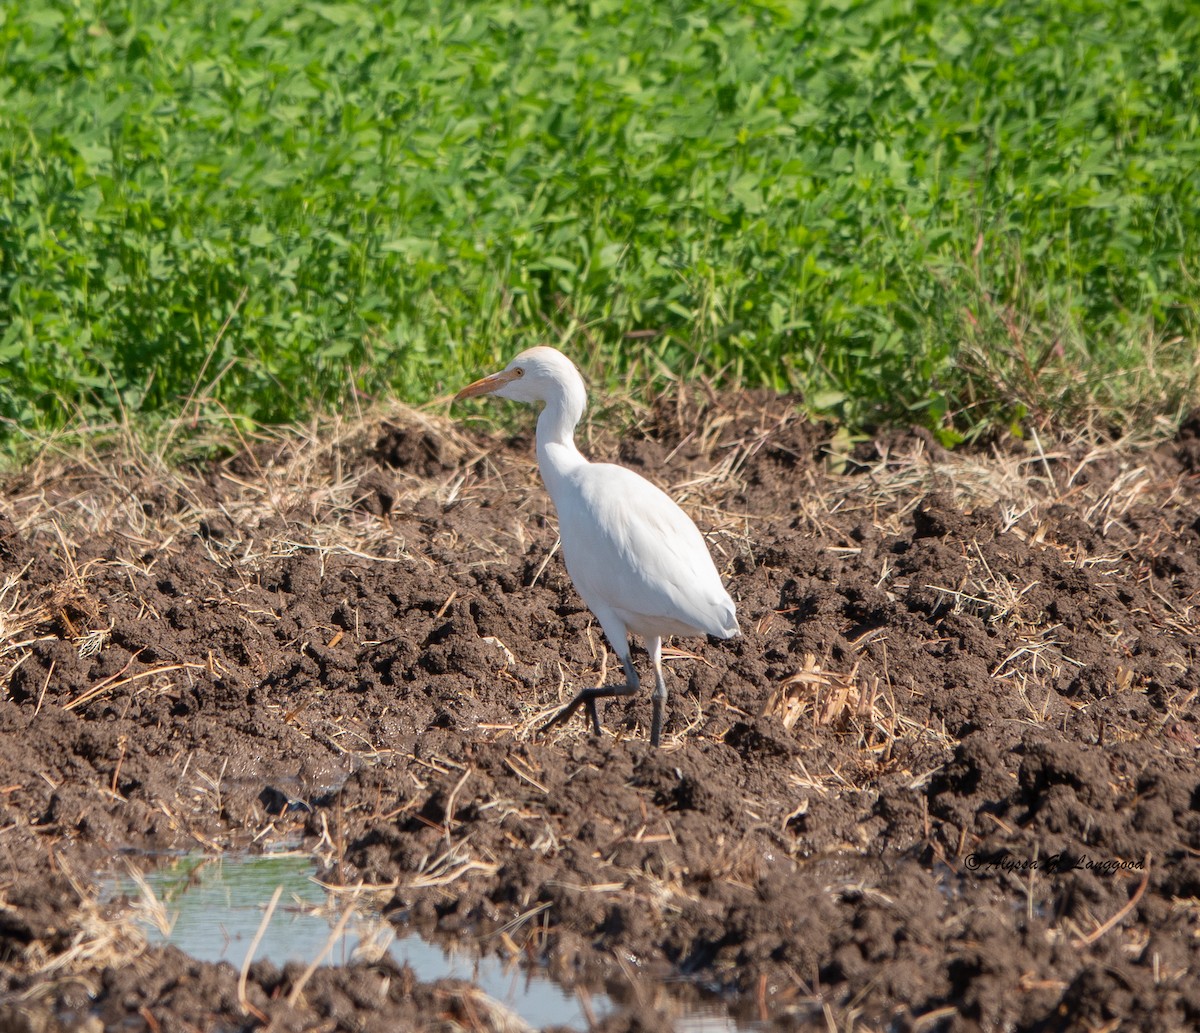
[(1100, 930), (243, 1001), (338, 929)]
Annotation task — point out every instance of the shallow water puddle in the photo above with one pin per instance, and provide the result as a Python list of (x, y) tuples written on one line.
[(213, 908)]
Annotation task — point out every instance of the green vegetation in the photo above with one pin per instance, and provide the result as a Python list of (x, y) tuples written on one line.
[(947, 213)]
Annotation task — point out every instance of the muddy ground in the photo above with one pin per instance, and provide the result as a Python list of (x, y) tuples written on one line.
[(946, 780)]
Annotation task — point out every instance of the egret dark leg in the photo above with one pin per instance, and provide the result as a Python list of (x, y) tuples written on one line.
[(659, 698), (587, 698)]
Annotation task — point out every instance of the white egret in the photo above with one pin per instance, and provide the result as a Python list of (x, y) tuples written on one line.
[(636, 558)]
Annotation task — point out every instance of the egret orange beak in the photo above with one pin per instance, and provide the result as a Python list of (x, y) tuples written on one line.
[(487, 385)]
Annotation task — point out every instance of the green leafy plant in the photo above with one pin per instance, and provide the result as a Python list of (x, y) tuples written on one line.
[(959, 215)]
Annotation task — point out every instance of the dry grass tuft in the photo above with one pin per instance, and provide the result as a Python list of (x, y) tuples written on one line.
[(66, 610), (1102, 478), (279, 489), (467, 1007), (92, 937), (994, 598), (830, 698)]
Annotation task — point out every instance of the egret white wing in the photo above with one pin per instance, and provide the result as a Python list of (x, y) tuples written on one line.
[(630, 548)]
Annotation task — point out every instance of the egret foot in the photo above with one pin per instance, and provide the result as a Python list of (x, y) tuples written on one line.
[(587, 698)]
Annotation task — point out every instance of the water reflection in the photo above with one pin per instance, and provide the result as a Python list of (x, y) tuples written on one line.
[(212, 907)]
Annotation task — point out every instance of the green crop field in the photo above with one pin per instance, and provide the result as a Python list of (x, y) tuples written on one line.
[(959, 214)]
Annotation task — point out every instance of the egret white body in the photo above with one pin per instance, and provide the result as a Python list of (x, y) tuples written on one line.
[(638, 561)]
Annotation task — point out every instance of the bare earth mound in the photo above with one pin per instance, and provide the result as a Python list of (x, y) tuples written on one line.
[(947, 779)]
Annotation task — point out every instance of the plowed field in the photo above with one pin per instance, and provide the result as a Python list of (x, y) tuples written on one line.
[(946, 780)]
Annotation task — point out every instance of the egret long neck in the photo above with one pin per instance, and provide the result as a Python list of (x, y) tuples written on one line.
[(556, 451)]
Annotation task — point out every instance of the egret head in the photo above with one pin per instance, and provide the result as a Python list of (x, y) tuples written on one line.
[(536, 375)]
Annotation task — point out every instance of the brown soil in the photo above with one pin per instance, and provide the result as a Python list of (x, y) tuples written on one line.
[(947, 779)]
